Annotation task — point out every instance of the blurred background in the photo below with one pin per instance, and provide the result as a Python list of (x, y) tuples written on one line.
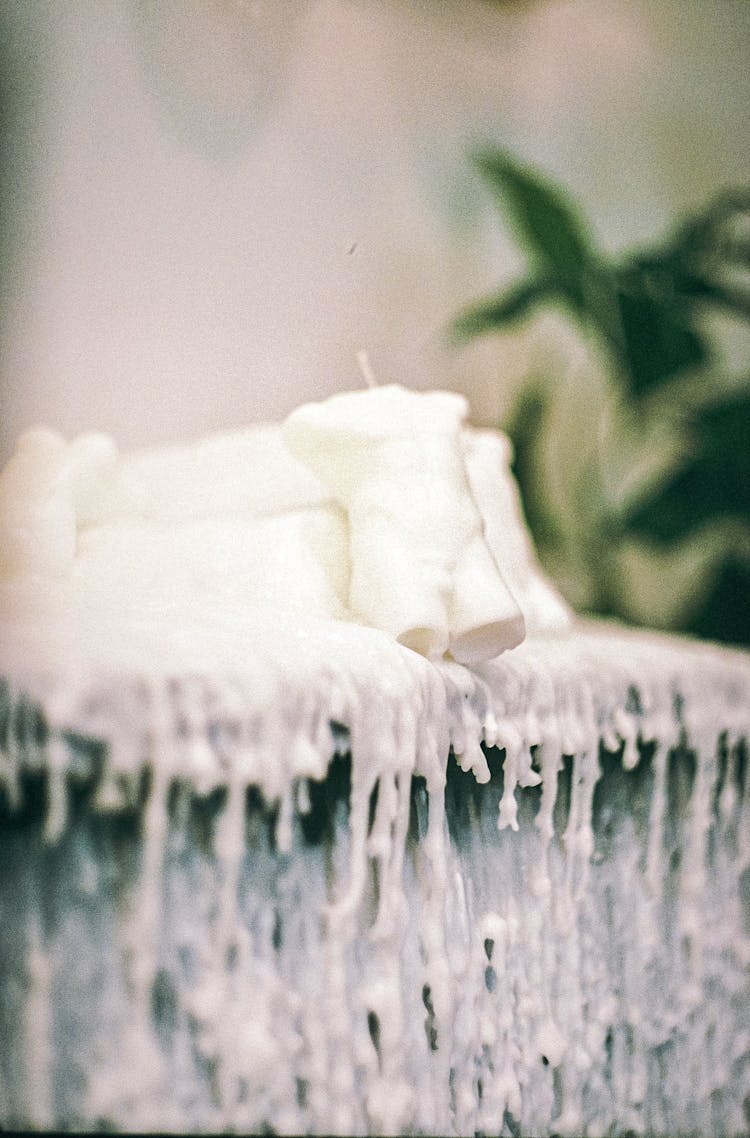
[(208, 207)]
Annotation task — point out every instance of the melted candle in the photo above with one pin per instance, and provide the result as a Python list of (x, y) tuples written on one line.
[(586, 978), (420, 565)]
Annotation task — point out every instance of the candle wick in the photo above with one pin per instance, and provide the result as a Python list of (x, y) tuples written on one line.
[(364, 366)]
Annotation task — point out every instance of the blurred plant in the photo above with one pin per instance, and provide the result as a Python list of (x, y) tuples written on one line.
[(657, 489)]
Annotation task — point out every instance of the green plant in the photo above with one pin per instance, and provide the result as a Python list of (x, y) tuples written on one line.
[(644, 315)]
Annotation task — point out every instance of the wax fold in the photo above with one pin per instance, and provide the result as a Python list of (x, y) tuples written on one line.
[(488, 455)]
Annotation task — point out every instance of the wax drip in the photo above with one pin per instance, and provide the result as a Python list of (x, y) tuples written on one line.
[(38, 1051)]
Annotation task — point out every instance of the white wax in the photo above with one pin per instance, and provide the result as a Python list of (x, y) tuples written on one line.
[(192, 634), (420, 569), (295, 561), (233, 519), (46, 488), (536, 965), (488, 456), (392, 513), (378, 413), (483, 611), (232, 473)]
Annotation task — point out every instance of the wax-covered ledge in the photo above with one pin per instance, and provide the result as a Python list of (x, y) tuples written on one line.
[(300, 915)]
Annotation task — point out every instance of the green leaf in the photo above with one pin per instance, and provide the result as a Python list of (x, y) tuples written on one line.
[(725, 433), (657, 340), (725, 613), (706, 260), (701, 492), (730, 297), (526, 428), (544, 218), (714, 483), (505, 308)]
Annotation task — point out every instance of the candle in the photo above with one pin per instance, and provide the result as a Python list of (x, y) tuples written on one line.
[(420, 566)]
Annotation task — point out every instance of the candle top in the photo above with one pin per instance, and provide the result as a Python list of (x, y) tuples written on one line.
[(381, 412)]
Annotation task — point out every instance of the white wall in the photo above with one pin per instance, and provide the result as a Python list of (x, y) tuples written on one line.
[(214, 205)]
